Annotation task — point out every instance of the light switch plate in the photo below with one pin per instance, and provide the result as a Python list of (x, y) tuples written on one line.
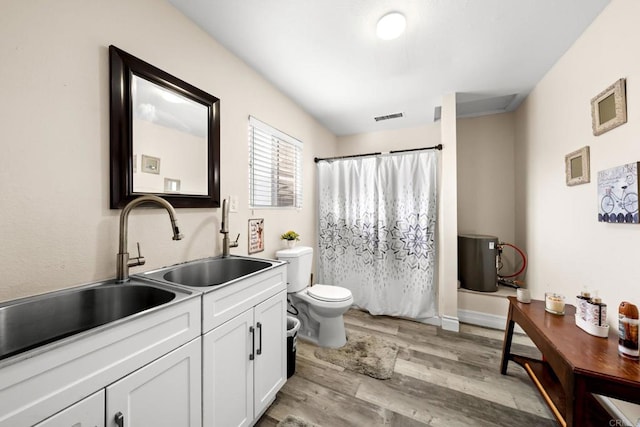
[(233, 203)]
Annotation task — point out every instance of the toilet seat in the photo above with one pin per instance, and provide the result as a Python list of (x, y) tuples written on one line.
[(329, 293)]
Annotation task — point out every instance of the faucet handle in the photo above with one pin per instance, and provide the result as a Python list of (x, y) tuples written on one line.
[(235, 244), (139, 260)]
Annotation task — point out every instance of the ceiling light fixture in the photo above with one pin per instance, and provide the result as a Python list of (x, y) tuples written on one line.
[(391, 25)]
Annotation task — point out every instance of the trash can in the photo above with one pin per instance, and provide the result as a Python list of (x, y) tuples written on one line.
[(293, 325)]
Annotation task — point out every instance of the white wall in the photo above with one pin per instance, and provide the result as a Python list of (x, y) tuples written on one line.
[(56, 227), (486, 176), (486, 197), (387, 140), (448, 216), (568, 248)]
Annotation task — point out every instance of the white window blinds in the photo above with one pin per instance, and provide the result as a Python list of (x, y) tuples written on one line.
[(275, 167)]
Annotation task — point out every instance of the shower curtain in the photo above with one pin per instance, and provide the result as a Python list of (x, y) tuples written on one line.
[(377, 220)]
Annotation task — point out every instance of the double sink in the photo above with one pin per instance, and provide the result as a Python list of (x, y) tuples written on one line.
[(33, 322)]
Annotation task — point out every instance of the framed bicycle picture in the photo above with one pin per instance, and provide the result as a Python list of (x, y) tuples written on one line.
[(618, 194)]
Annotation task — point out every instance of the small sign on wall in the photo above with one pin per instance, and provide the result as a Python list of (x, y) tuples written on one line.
[(256, 235), (618, 194)]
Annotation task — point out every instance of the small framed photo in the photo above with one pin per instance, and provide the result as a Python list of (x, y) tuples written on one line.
[(577, 167), (256, 235), (609, 108), (150, 164)]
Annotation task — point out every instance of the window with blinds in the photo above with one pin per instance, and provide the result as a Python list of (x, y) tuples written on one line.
[(275, 167)]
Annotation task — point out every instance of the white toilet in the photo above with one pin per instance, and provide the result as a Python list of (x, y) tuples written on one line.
[(320, 307)]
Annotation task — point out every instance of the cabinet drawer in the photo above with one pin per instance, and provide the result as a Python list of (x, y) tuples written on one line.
[(89, 412), (227, 302)]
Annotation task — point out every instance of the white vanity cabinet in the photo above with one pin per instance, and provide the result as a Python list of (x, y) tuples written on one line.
[(166, 392), (244, 352), (270, 361), (89, 412), (146, 367)]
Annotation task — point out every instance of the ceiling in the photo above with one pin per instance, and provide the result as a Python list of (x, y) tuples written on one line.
[(324, 54)]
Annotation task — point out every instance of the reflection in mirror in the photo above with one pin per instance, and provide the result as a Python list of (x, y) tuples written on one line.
[(172, 128), (165, 136)]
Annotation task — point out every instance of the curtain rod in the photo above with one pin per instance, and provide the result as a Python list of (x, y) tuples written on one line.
[(318, 159)]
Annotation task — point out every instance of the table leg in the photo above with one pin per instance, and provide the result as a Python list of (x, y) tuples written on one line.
[(506, 345), (577, 403)]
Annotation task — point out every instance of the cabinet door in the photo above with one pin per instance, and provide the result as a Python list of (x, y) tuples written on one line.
[(227, 373), (165, 393), (89, 412), (270, 370)]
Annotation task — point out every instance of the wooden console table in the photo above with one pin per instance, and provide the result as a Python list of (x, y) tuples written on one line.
[(575, 364)]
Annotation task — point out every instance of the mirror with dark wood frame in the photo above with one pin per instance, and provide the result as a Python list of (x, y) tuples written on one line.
[(165, 136)]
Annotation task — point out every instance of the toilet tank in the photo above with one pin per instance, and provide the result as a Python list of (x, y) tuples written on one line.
[(298, 268)]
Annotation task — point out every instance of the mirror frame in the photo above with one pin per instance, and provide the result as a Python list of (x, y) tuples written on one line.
[(121, 68)]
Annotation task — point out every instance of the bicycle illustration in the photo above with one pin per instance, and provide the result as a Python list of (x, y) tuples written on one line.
[(627, 201)]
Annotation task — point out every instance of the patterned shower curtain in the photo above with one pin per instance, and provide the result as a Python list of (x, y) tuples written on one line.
[(377, 222)]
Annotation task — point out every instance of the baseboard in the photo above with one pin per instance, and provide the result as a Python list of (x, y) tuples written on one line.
[(486, 320), (433, 321), (618, 417), (450, 323)]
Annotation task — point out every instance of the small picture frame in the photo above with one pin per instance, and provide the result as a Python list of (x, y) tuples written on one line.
[(609, 108), (150, 164), (577, 167), (256, 235)]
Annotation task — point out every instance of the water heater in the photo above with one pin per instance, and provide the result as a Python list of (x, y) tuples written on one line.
[(477, 269)]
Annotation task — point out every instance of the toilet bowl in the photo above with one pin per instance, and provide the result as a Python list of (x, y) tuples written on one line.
[(319, 307), (325, 305)]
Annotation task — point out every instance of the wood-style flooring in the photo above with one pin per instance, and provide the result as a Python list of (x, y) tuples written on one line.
[(440, 378)]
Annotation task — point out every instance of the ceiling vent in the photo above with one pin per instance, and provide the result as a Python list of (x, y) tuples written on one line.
[(389, 116)]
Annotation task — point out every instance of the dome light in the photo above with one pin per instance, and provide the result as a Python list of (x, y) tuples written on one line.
[(391, 26)]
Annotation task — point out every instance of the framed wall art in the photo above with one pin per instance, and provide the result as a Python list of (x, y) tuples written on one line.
[(609, 108), (150, 164), (618, 194), (577, 167), (256, 235)]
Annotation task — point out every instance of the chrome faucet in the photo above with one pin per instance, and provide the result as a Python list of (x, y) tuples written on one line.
[(224, 229), (123, 262)]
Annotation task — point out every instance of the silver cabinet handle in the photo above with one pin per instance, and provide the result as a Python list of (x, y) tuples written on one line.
[(119, 419), (259, 339)]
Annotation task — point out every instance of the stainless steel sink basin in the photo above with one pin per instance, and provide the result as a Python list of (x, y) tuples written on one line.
[(211, 271), (35, 321)]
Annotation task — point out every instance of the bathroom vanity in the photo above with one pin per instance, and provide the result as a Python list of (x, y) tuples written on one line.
[(133, 371), (212, 355), (243, 335)]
